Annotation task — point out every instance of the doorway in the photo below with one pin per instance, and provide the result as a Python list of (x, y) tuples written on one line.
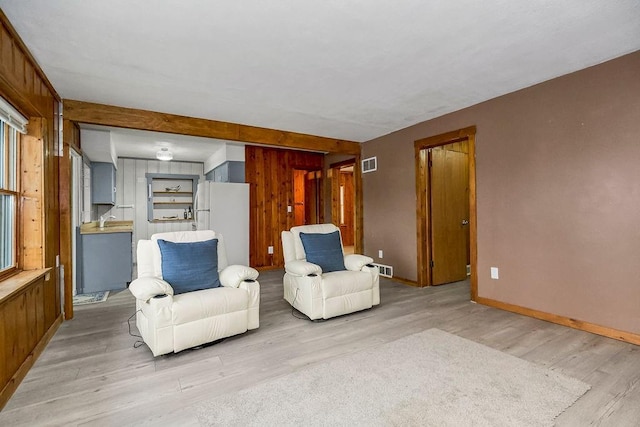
[(344, 202), (446, 210), (77, 204), (307, 197)]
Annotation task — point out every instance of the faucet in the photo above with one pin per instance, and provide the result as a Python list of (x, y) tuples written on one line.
[(104, 219)]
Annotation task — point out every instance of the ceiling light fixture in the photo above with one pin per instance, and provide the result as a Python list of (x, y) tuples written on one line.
[(164, 154)]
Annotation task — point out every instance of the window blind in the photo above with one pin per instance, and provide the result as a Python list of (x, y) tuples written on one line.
[(12, 117)]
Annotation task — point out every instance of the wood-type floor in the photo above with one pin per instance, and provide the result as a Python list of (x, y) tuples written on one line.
[(91, 374)]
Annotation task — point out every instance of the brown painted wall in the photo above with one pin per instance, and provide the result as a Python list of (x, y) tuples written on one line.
[(558, 194)]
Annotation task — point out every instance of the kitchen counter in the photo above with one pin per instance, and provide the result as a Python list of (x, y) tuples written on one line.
[(109, 227)]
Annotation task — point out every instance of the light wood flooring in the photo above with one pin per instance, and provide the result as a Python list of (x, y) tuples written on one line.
[(90, 373)]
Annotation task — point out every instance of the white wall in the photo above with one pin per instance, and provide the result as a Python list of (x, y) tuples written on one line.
[(97, 145), (230, 152)]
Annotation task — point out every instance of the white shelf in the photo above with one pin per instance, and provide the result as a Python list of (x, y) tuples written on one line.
[(163, 203)]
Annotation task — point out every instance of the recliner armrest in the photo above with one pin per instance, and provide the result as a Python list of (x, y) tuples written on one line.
[(234, 275), (145, 288), (302, 268), (355, 262)]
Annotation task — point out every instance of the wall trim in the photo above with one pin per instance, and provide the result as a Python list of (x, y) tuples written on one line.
[(22, 371), (564, 321), (406, 281)]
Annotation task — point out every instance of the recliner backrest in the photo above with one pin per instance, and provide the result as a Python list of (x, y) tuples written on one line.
[(149, 259), (144, 259), (292, 244)]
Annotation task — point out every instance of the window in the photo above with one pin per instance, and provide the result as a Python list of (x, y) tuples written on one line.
[(11, 124)]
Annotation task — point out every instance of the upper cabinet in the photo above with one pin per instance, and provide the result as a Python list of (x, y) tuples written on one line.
[(229, 171), (170, 196), (103, 183)]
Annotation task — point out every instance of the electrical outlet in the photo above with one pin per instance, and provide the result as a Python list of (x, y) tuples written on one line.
[(289, 208), (270, 250), (380, 254), (494, 273)]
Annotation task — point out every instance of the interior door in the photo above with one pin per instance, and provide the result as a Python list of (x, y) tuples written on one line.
[(346, 208), (299, 217), (313, 197), (310, 198), (449, 178)]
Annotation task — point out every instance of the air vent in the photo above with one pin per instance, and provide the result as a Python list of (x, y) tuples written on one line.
[(385, 270), (370, 164)]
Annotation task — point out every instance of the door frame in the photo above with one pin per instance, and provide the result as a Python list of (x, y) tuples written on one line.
[(320, 192), (334, 176), (423, 196)]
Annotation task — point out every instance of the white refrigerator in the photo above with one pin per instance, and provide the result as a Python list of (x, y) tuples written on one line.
[(224, 208)]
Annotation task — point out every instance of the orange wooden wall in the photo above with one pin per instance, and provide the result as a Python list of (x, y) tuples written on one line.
[(30, 311), (269, 171)]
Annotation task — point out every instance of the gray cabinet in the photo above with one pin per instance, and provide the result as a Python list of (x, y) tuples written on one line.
[(104, 261), (103, 183), (229, 171)]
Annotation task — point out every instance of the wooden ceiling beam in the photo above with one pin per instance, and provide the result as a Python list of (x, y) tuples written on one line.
[(131, 118)]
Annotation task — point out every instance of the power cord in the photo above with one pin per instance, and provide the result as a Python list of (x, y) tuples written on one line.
[(139, 342), (293, 310)]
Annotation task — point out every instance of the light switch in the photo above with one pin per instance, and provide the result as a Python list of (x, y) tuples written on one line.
[(289, 209), (494, 273), (380, 254)]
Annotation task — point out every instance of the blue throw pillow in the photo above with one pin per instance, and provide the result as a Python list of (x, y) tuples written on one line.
[(190, 266), (324, 250)]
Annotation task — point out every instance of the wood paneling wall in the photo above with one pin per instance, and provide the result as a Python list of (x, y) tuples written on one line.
[(31, 312), (269, 171), (22, 83), (24, 330)]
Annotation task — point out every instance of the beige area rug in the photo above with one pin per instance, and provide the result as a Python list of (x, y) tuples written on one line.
[(427, 379)]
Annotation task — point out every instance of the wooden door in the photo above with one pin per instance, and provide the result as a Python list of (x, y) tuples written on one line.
[(345, 201), (449, 214), (311, 198), (346, 207), (299, 197), (307, 200)]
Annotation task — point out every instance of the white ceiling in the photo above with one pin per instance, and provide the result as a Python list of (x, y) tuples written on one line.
[(351, 69), (144, 145)]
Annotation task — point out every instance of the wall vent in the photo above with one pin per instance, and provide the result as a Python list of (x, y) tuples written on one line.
[(385, 270), (370, 164)]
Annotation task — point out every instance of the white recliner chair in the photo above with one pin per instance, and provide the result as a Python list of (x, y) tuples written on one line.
[(322, 295), (171, 323)]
